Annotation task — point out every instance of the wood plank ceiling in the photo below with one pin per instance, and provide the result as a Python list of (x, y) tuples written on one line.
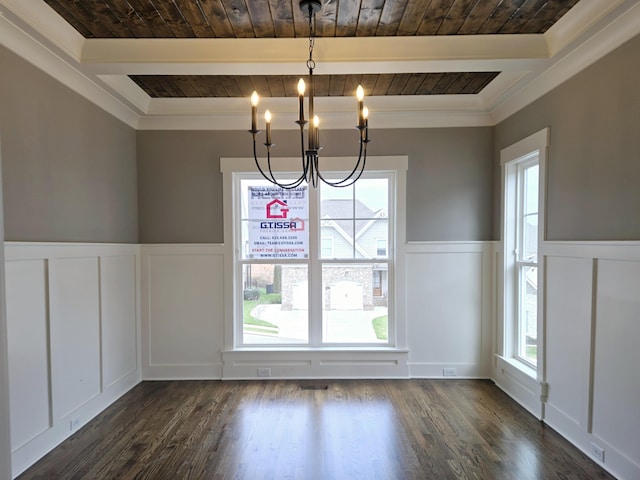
[(283, 19)]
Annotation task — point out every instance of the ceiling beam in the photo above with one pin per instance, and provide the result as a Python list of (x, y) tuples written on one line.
[(357, 55)]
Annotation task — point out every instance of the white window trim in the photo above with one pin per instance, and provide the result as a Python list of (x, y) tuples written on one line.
[(522, 151), (397, 165)]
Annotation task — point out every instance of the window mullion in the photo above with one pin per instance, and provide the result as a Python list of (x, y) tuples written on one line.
[(315, 270), (525, 263)]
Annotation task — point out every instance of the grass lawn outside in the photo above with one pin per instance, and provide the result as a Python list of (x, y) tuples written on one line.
[(381, 327), (253, 324), (532, 353)]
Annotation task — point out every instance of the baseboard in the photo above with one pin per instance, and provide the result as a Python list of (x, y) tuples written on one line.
[(447, 370), (183, 372), (615, 462), (26, 455)]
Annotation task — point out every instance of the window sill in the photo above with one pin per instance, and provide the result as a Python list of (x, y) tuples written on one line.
[(324, 349), (519, 367)]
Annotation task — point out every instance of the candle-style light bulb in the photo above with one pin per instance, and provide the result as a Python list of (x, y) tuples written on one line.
[(316, 132), (301, 87), (360, 97), (254, 111), (267, 119)]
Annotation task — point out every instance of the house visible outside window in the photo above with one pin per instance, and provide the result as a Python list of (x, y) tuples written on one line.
[(314, 265), (326, 247), (377, 283), (523, 232)]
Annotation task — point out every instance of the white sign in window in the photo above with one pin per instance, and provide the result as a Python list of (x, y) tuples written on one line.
[(278, 221)]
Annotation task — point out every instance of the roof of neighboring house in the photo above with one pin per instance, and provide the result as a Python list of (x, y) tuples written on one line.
[(343, 211)]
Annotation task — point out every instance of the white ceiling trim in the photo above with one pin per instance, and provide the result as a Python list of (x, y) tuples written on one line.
[(334, 112), (531, 65), (577, 21), (130, 55), (23, 44), (322, 68), (621, 25), (41, 18)]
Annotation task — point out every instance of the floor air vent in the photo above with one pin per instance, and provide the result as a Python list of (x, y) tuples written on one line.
[(314, 386)]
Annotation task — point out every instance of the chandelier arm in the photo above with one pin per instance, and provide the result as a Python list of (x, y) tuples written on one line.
[(271, 177), (286, 186), (309, 169), (315, 171), (358, 169), (255, 157)]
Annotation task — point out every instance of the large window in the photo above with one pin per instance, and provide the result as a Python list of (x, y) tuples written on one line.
[(314, 264), (522, 229)]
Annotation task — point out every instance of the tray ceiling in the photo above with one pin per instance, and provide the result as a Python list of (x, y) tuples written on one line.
[(283, 19), (421, 62)]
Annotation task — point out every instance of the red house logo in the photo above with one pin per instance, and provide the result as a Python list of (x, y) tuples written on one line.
[(297, 225), (277, 209)]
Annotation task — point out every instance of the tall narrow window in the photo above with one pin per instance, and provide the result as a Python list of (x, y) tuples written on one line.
[(527, 262), (523, 170)]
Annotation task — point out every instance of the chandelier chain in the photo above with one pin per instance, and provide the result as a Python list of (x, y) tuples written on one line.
[(311, 64)]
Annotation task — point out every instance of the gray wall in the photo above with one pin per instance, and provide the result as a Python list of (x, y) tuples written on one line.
[(449, 184), (69, 168), (594, 156)]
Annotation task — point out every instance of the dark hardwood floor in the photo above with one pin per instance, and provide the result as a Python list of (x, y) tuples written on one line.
[(353, 429)]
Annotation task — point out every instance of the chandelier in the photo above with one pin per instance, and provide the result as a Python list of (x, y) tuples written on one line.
[(310, 161)]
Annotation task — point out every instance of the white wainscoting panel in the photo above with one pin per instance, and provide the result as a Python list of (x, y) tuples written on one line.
[(118, 286), (27, 330), (75, 333), (73, 317), (616, 382), (592, 329), (568, 345), (183, 311), (448, 308)]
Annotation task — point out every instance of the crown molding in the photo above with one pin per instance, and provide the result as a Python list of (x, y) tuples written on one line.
[(336, 113), (48, 25), (577, 21), (36, 52), (123, 86), (620, 26), (330, 121)]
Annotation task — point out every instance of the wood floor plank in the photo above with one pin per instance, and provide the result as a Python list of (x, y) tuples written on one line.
[(352, 429)]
